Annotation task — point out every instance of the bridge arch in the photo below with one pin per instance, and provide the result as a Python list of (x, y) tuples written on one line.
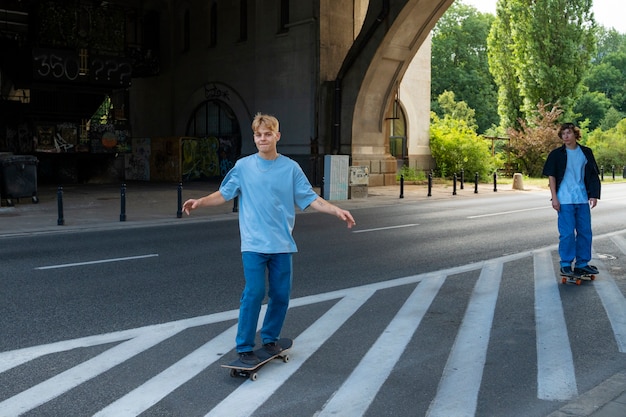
[(369, 82)]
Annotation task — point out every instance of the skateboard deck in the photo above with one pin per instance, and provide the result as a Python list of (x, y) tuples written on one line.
[(577, 278), (244, 370)]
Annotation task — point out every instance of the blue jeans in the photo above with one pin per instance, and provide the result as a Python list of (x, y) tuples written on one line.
[(575, 234), (279, 271)]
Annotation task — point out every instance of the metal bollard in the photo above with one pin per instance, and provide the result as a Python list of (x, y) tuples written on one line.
[(430, 184), (602, 173), (60, 220), (401, 185), (179, 212), (462, 178), (613, 171), (123, 203), (454, 184), (235, 204), (476, 183), (495, 182)]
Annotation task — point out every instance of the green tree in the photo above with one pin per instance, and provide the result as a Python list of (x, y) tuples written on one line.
[(544, 48), (608, 76), (534, 139), (609, 146), (454, 144), (459, 62), (611, 118), (458, 110), (592, 106)]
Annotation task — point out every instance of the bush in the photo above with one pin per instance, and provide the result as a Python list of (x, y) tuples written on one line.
[(455, 147), (609, 147)]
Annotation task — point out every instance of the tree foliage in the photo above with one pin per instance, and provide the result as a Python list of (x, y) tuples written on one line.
[(609, 146), (541, 51), (459, 62), (454, 144), (534, 139)]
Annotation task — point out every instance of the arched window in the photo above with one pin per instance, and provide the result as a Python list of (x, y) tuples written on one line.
[(219, 141)]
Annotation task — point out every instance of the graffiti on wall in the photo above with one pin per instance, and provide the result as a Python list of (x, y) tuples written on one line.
[(137, 163), (200, 158)]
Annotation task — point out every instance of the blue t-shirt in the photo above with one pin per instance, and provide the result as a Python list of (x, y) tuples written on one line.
[(268, 192), (572, 189)]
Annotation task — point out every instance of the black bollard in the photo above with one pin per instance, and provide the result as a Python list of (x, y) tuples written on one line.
[(454, 184), (179, 212), (123, 203), (235, 204), (401, 186), (60, 220), (602, 173), (495, 182), (613, 171), (430, 184), (462, 178), (476, 183)]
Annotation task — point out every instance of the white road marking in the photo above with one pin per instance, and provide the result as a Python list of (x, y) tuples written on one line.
[(457, 394), (359, 390), (154, 390), (385, 228), (101, 261), (502, 213), (614, 304), (65, 381), (251, 395), (556, 378)]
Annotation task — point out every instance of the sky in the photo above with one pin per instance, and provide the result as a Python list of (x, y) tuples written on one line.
[(606, 12)]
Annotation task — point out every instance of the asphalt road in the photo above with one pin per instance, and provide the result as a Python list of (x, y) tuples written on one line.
[(454, 306)]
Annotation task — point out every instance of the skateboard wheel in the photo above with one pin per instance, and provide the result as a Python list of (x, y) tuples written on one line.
[(564, 280), (253, 376), (233, 373), (579, 281), (286, 358), (593, 277)]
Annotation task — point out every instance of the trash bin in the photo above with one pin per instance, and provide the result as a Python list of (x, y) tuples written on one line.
[(19, 178)]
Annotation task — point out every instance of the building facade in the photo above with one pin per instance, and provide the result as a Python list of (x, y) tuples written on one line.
[(168, 89)]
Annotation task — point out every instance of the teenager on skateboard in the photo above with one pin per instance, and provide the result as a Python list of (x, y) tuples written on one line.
[(573, 176), (269, 186)]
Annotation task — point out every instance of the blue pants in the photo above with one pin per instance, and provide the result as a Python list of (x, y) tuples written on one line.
[(575, 234), (279, 271)]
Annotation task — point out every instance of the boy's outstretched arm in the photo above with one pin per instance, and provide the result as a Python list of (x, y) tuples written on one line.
[(213, 199), (324, 206)]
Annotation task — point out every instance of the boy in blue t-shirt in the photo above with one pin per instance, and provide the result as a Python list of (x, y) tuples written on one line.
[(269, 186), (573, 176)]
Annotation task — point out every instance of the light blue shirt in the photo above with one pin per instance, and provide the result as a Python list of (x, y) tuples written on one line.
[(268, 192), (572, 189)]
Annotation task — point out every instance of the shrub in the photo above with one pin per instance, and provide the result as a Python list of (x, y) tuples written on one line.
[(455, 147)]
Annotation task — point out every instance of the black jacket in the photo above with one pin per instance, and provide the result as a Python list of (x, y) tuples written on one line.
[(557, 161)]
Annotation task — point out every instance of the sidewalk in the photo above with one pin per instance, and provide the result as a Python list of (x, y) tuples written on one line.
[(98, 207)]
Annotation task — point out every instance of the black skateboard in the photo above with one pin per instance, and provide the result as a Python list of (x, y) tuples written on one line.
[(238, 368), (577, 279)]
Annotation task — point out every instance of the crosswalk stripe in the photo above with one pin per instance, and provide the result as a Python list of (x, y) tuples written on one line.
[(63, 382), (250, 395), (358, 391), (459, 386), (556, 379), (152, 391), (457, 394), (614, 304)]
